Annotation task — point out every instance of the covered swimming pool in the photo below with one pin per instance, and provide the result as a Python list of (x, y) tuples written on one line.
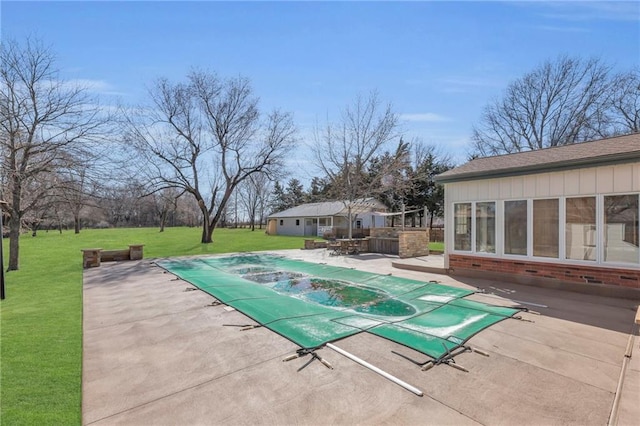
[(315, 304)]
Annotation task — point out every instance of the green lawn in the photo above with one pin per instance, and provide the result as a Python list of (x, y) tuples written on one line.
[(436, 246), (41, 317)]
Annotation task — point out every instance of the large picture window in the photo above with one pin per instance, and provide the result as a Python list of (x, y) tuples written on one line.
[(596, 228), (621, 229), (545, 228), (580, 228), (515, 227), (462, 226), (485, 227)]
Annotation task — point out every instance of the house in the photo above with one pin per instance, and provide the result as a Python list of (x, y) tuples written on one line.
[(565, 216), (330, 217)]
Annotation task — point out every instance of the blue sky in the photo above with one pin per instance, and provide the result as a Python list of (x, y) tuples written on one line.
[(438, 63)]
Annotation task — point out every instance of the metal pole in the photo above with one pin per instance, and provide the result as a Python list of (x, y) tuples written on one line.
[(376, 369)]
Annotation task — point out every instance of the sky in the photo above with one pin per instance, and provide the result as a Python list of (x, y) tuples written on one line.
[(438, 63)]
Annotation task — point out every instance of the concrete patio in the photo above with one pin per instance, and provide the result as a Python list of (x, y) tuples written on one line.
[(156, 353)]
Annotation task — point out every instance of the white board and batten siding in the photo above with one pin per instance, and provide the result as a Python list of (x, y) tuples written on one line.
[(288, 226), (619, 179)]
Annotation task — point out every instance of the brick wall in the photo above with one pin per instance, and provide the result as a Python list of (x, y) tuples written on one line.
[(629, 278), (384, 232), (413, 243)]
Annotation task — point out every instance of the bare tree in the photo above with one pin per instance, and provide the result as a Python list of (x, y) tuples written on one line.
[(397, 180), (344, 150), (166, 201), (558, 103), (39, 196), (205, 137), (264, 200), (78, 182), (41, 118), (254, 192), (625, 102)]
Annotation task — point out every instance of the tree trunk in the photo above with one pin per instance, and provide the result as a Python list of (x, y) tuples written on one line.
[(211, 228), (14, 242), (206, 231), (350, 222), (76, 224), (163, 219), (206, 223)]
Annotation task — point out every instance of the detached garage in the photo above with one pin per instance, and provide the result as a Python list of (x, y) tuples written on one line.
[(567, 215), (329, 217)]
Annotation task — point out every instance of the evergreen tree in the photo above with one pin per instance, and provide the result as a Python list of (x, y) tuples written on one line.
[(318, 190), (279, 200), (295, 193)]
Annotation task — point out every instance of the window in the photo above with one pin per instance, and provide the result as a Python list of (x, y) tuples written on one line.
[(358, 224), (545, 228), (281, 222), (621, 229), (297, 222), (485, 227), (580, 228), (462, 225), (515, 227)]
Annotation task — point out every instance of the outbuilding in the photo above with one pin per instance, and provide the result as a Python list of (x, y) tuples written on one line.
[(566, 215), (328, 218)]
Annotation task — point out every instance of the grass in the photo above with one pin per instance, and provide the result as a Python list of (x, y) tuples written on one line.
[(436, 246), (41, 317)]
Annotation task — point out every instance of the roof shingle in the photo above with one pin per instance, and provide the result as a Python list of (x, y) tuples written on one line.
[(330, 208), (618, 149)]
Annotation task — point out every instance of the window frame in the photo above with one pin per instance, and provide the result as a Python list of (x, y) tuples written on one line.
[(500, 209), (601, 246), (472, 226), (528, 228), (468, 226)]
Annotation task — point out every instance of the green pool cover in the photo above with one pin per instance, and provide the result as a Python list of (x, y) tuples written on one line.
[(313, 304)]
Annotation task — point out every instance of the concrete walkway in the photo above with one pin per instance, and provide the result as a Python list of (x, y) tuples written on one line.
[(156, 353)]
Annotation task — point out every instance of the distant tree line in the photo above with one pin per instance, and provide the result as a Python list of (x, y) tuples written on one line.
[(201, 152)]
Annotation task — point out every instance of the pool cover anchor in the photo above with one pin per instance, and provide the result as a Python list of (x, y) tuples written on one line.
[(250, 327), (445, 359), (319, 358), (519, 318), (304, 352), (243, 327)]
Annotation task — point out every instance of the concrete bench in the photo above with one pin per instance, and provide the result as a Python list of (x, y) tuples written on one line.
[(91, 258), (115, 255)]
